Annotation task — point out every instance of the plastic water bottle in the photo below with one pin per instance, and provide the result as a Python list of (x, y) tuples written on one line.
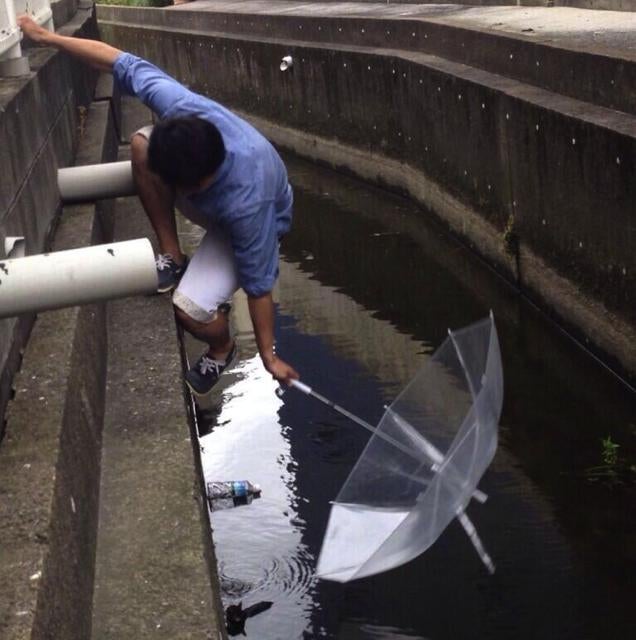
[(232, 493)]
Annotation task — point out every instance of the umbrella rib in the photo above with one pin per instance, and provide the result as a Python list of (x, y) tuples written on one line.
[(469, 381), (435, 455), (440, 461), (363, 423), (470, 530)]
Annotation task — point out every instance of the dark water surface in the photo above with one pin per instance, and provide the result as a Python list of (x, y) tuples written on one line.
[(368, 288)]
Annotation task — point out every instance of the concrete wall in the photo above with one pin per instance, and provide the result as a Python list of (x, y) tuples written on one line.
[(539, 183), (609, 5), (50, 456), (41, 121)]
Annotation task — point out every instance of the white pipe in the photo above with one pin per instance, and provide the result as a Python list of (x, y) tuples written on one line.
[(96, 181), (78, 276), (14, 247), (13, 64), (286, 63)]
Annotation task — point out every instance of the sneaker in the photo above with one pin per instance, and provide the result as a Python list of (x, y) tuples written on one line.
[(205, 373), (169, 272)]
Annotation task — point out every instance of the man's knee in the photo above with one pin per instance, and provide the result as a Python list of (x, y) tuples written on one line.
[(182, 317), (139, 151), (214, 328)]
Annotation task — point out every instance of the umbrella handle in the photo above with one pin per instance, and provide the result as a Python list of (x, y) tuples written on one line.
[(301, 386)]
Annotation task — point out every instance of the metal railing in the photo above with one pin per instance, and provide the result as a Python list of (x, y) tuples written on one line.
[(11, 60)]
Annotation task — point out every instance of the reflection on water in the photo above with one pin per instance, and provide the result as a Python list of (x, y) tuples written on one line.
[(367, 290)]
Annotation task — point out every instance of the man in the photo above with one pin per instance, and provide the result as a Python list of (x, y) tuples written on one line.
[(223, 175)]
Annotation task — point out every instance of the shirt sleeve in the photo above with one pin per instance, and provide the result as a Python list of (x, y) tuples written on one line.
[(155, 88), (255, 244)]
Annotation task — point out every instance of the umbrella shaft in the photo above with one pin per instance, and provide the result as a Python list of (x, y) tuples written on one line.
[(361, 422), (437, 458)]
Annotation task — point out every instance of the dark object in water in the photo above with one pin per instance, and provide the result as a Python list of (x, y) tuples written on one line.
[(235, 616)]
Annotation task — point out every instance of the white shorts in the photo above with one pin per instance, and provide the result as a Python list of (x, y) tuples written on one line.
[(211, 278)]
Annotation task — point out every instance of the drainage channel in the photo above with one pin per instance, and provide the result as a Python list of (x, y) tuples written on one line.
[(368, 287)]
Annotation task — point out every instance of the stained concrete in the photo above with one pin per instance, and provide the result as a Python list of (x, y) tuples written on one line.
[(538, 182), (49, 458), (607, 5), (75, 451), (41, 118), (153, 578), (588, 55), (155, 564)]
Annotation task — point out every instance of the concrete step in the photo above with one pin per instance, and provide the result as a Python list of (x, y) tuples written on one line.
[(49, 458), (154, 561), (587, 55), (103, 531)]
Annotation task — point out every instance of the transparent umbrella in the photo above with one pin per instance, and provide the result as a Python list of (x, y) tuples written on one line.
[(421, 467)]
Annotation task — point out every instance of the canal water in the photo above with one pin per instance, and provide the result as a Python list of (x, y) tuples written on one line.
[(368, 287)]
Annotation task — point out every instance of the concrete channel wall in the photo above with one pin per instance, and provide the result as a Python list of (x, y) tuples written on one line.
[(609, 5), (525, 148), (41, 119), (50, 456), (104, 532), (49, 459)]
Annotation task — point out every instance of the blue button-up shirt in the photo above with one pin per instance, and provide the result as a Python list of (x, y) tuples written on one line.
[(250, 197)]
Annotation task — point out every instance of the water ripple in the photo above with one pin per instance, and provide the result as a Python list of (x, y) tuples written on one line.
[(287, 575)]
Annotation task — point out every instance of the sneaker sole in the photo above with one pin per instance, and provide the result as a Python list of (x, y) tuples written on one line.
[(199, 394), (166, 289)]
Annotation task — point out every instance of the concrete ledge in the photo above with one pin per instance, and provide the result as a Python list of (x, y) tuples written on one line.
[(63, 11), (49, 458), (152, 578), (155, 570), (608, 5), (587, 56), (103, 531)]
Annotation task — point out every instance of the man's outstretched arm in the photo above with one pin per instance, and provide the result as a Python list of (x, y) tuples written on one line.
[(262, 314), (95, 53)]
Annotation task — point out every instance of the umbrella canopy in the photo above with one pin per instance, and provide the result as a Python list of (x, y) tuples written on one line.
[(421, 467)]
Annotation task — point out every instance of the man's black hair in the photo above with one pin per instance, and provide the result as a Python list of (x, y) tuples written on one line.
[(184, 151)]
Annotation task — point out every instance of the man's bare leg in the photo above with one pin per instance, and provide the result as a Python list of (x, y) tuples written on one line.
[(157, 199), (216, 333)]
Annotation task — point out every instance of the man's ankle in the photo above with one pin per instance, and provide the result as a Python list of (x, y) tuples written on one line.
[(221, 354), (177, 257)]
